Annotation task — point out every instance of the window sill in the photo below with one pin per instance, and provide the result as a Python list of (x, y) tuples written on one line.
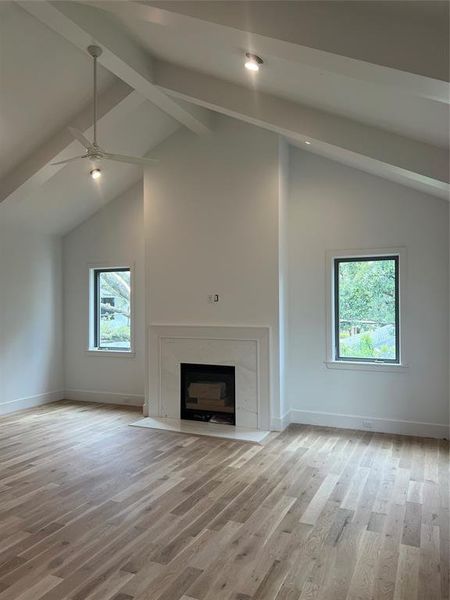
[(108, 353), (366, 366)]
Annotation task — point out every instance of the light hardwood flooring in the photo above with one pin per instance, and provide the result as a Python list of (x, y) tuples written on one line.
[(92, 509)]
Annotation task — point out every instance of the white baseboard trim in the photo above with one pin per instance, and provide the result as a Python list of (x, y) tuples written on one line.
[(305, 417), (105, 397), (396, 426), (280, 423), (30, 402)]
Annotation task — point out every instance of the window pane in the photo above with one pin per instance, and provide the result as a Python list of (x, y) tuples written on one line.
[(113, 310), (367, 311)]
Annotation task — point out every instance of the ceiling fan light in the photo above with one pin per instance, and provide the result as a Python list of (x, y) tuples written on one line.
[(95, 173)]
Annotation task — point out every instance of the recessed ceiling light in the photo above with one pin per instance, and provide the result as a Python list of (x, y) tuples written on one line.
[(307, 142), (252, 62), (95, 173)]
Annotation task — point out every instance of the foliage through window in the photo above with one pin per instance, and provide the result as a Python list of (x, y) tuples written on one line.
[(366, 309), (112, 327)]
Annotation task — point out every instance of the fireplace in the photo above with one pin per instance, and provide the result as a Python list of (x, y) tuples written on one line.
[(207, 393)]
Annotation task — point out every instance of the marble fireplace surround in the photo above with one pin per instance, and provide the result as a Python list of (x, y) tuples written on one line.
[(245, 348)]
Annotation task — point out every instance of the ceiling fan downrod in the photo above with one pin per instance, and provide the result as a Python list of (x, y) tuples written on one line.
[(95, 52)]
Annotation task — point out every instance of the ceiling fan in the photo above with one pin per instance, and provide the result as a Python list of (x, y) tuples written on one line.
[(94, 152)]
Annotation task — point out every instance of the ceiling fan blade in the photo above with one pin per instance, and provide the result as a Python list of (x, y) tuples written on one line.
[(79, 135), (133, 160), (68, 160)]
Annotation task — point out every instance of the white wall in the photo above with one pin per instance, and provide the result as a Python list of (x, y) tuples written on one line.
[(114, 235), (211, 212), (235, 213), (335, 207), (283, 269), (30, 319)]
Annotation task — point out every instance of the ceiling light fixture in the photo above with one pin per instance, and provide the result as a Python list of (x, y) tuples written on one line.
[(95, 173), (252, 62)]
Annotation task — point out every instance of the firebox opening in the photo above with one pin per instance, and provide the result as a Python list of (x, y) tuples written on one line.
[(208, 393)]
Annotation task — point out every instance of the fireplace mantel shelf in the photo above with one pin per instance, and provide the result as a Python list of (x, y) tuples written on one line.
[(243, 434)]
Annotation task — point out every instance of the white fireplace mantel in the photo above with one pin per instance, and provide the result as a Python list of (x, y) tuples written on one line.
[(245, 348)]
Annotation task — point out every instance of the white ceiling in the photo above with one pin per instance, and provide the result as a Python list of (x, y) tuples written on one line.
[(34, 104), (45, 81), (408, 35), (222, 56), (430, 10), (71, 196)]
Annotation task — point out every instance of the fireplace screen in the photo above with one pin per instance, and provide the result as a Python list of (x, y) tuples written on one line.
[(208, 393)]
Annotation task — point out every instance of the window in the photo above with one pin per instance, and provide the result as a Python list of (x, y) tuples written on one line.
[(366, 309), (111, 309)]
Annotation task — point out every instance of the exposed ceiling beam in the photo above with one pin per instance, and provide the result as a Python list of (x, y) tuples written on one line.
[(83, 25), (375, 150), (266, 35), (34, 171)]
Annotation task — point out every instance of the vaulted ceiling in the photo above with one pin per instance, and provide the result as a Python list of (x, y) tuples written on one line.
[(43, 83), (366, 82)]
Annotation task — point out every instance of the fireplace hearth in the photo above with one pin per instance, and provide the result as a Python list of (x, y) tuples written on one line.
[(208, 393)]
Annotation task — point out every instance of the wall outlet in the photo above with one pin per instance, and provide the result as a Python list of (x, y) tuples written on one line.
[(367, 424), (213, 298)]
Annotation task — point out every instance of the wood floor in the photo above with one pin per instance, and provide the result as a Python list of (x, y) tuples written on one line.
[(92, 509)]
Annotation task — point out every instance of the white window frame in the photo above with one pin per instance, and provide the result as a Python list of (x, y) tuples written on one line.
[(92, 350), (376, 366)]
